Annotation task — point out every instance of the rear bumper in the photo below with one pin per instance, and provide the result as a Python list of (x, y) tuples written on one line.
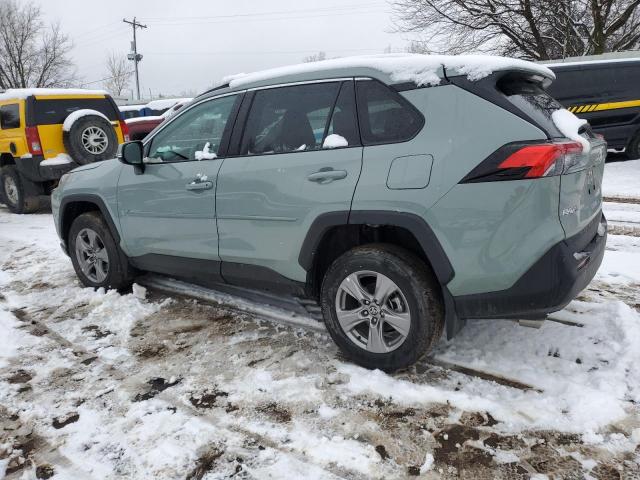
[(32, 170), (549, 285)]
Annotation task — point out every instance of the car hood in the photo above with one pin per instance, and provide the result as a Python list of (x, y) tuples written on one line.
[(91, 166)]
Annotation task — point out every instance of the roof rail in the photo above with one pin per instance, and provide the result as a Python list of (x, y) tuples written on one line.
[(219, 87)]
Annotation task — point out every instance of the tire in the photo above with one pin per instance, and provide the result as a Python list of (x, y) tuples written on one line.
[(633, 150), (91, 244), (90, 139), (414, 302), (19, 194)]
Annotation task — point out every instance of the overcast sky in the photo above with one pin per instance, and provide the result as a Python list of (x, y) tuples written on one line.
[(192, 44)]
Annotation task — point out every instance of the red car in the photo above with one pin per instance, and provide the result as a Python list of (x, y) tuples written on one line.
[(140, 127)]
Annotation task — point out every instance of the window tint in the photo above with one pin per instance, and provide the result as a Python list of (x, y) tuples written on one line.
[(385, 117), (54, 112), (195, 135), (10, 116), (287, 119)]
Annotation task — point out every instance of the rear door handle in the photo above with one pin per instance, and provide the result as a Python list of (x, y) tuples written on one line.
[(326, 176), (199, 185)]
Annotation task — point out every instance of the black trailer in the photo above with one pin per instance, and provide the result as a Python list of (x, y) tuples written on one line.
[(607, 94)]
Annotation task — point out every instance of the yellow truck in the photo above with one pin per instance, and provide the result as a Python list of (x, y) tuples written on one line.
[(44, 133)]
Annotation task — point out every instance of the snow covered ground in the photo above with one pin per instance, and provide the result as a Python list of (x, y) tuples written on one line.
[(160, 385)]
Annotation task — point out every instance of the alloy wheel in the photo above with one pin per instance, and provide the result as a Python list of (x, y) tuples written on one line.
[(372, 311), (92, 255), (94, 140), (11, 190)]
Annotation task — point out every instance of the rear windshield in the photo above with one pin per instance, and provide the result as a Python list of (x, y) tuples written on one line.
[(54, 111), (533, 100)]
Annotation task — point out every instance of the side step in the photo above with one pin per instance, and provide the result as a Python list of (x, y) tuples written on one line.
[(531, 323), (312, 308)]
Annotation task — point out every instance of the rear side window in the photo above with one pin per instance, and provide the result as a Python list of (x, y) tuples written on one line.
[(54, 111), (288, 119), (385, 117), (10, 116), (533, 100)]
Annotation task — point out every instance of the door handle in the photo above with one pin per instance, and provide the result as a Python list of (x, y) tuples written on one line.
[(326, 176), (199, 185)]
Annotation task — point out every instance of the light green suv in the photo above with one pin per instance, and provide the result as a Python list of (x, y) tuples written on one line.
[(403, 194)]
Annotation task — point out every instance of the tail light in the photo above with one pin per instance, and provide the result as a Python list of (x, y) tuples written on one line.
[(527, 161), (125, 130), (33, 140)]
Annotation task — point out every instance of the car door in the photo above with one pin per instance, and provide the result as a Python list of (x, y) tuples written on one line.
[(167, 211), (299, 157)]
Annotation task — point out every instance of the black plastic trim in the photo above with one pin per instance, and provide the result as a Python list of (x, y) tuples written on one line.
[(548, 286), (413, 223), (259, 278), (204, 272), (30, 168), (86, 198)]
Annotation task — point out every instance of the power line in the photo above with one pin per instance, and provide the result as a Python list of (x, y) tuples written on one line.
[(259, 19), (106, 78), (280, 12), (135, 56)]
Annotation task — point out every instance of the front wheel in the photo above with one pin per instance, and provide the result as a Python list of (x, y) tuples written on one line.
[(18, 193), (96, 257), (382, 306)]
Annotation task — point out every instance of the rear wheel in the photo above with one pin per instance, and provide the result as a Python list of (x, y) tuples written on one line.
[(382, 306), (18, 193), (96, 257), (90, 139), (633, 150)]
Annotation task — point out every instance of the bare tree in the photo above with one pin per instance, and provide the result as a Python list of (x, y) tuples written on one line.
[(533, 29), (316, 57), (119, 74), (32, 54)]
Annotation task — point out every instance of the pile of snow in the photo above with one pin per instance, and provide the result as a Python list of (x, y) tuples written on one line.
[(78, 114), (335, 141), (129, 108), (205, 153), (151, 118), (569, 125), (60, 159), (421, 69), (22, 93)]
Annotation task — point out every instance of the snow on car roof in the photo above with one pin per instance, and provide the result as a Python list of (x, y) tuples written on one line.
[(164, 103), (21, 93), (127, 108), (421, 69)]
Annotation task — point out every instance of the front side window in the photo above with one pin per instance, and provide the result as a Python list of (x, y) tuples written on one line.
[(10, 116), (288, 119), (385, 117), (194, 135)]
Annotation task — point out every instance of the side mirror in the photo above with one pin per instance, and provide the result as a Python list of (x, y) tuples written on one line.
[(131, 153)]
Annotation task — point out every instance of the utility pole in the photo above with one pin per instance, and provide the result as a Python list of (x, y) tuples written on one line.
[(135, 56)]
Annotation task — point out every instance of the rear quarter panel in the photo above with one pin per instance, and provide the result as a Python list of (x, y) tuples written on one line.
[(491, 232)]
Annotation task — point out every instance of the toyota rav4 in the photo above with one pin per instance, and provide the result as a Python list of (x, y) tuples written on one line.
[(402, 194)]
